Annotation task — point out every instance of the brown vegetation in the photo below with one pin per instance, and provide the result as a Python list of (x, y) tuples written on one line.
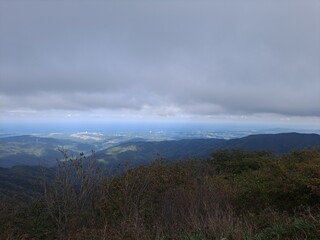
[(233, 195)]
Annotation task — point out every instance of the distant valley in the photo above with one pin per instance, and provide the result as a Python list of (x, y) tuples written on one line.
[(32, 150), (137, 150), (137, 153)]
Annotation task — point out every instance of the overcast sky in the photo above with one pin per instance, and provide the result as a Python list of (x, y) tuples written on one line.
[(215, 60)]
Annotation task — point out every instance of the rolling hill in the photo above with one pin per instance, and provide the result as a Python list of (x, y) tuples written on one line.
[(32, 150), (21, 156), (143, 152), (275, 143)]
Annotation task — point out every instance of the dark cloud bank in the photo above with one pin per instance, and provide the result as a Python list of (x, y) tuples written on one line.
[(161, 57)]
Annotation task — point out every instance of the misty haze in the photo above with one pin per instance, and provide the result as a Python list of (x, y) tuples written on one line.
[(160, 119)]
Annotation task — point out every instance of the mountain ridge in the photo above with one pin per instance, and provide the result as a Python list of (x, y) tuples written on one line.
[(276, 143), (145, 152), (32, 150)]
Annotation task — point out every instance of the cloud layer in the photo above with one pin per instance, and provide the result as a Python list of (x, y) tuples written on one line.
[(176, 58)]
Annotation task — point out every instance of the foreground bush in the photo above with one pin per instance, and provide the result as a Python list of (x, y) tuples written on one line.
[(233, 195)]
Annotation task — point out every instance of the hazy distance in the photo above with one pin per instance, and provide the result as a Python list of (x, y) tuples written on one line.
[(92, 63)]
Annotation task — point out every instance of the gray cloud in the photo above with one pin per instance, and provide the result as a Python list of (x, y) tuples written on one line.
[(161, 57)]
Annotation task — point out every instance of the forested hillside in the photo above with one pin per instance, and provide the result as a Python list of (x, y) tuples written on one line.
[(235, 194), (40, 151), (36, 151), (139, 153)]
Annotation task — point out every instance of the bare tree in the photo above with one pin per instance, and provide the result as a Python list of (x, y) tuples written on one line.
[(71, 196)]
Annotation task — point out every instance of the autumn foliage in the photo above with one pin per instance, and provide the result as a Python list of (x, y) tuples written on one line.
[(234, 194)]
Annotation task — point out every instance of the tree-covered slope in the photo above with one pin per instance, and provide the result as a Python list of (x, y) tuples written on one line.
[(32, 150), (233, 195), (138, 153), (143, 152), (275, 143)]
